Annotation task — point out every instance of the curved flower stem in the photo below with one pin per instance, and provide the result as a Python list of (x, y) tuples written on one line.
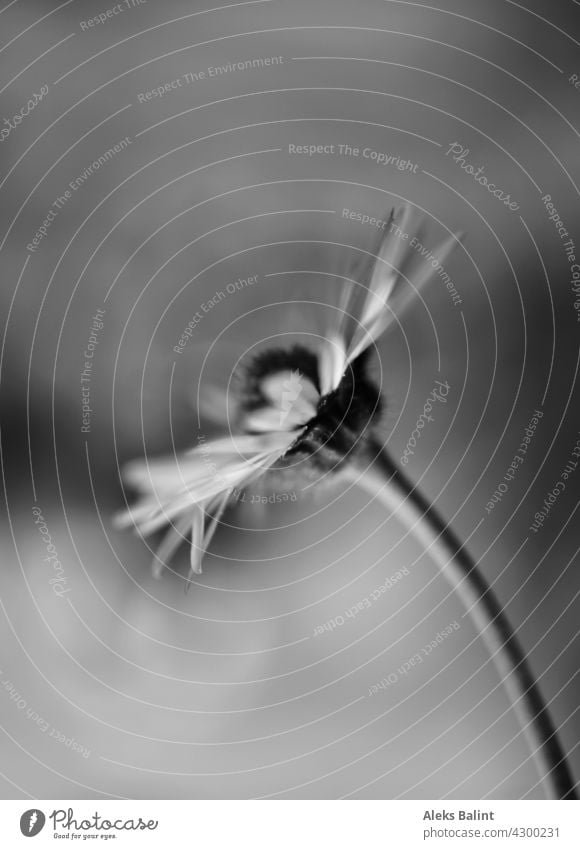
[(385, 481)]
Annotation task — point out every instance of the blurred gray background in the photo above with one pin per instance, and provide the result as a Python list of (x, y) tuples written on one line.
[(124, 686)]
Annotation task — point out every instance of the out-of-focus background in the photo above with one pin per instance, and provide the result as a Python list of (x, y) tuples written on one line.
[(158, 163)]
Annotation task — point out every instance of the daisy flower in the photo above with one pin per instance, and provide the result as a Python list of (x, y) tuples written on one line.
[(293, 405), (319, 411)]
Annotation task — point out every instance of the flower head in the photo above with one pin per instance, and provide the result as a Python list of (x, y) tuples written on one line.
[(316, 409)]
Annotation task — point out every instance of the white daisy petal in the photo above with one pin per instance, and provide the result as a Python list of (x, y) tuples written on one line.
[(196, 550), (263, 420), (389, 256), (217, 514), (383, 272), (392, 248), (370, 334), (137, 514), (169, 544), (293, 400), (160, 479), (199, 492), (349, 290), (184, 486), (338, 290), (157, 517), (285, 385), (399, 272), (267, 419), (332, 362), (299, 412), (406, 290), (247, 444), (440, 254), (147, 474)]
